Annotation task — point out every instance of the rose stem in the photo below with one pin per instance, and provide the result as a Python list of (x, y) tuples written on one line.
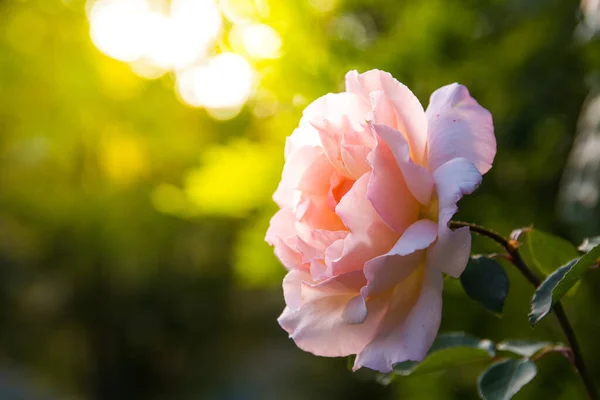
[(515, 258)]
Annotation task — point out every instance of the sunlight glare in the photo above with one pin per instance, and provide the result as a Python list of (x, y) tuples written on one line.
[(130, 30), (224, 83), (261, 41), (114, 28)]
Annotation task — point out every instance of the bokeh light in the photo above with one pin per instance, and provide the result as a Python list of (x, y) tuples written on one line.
[(117, 28), (225, 82), (129, 30), (260, 41), (244, 11), (181, 37)]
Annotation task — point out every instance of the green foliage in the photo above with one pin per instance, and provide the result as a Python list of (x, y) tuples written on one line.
[(502, 380), (499, 381), (448, 351), (485, 281), (555, 286), (525, 348), (545, 252)]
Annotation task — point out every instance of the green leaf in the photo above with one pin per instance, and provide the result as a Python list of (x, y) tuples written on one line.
[(588, 244), (545, 252), (448, 351), (542, 298), (462, 339), (350, 361), (502, 380), (581, 266), (525, 348), (485, 281), (555, 286)]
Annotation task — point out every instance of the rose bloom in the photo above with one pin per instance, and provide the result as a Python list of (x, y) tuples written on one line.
[(369, 185)]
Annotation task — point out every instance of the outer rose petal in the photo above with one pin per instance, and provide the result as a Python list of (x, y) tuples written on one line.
[(454, 179), (386, 271), (417, 178), (388, 191), (282, 234), (318, 325), (409, 115), (369, 236), (304, 135), (292, 288), (334, 106), (459, 127), (306, 169), (410, 324)]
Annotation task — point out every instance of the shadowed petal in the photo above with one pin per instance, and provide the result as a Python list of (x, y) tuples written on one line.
[(386, 271), (369, 236), (454, 179), (417, 178), (388, 191), (320, 325), (410, 324)]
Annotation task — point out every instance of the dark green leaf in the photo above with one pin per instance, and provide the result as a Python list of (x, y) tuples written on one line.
[(502, 380), (350, 361), (542, 298), (405, 368), (559, 283), (450, 358), (485, 281), (589, 243), (448, 351), (462, 339), (583, 264), (545, 252), (525, 348)]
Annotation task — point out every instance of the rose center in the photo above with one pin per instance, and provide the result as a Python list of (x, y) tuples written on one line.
[(339, 186), (430, 211)]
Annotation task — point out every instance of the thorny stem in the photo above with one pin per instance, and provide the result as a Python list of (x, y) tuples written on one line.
[(512, 247)]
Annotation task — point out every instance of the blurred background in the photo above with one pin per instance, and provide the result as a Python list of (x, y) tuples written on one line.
[(140, 143)]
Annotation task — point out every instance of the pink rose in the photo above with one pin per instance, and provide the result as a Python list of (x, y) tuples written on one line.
[(370, 182)]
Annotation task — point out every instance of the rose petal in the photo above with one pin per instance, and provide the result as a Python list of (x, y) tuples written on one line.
[(355, 311), (459, 127), (313, 248), (369, 236), (292, 288), (341, 136), (386, 271), (282, 234), (318, 271), (318, 326), (410, 324), (307, 169), (454, 179), (335, 106), (303, 136), (355, 160), (409, 116), (316, 213), (417, 178), (388, 191)]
